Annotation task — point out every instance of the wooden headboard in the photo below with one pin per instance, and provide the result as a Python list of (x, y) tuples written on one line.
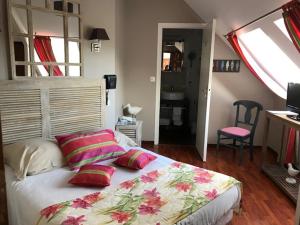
[(45, 108)]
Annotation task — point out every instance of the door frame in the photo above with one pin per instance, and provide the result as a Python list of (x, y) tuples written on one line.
[(161, 26)]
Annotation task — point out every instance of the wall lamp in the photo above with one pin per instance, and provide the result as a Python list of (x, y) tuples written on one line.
[(97, 35)]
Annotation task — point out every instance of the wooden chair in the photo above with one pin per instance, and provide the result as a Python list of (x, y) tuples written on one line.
[(238, 133)]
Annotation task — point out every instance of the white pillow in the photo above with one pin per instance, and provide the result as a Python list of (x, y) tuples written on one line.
[(124, 140), (33, 156)]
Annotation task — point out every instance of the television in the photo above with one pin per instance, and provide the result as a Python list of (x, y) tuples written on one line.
[(293, 97)]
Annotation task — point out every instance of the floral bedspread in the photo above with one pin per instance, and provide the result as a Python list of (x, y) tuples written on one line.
[(163, 196)]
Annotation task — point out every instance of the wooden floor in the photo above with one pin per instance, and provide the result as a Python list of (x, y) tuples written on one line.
[(263, 203)]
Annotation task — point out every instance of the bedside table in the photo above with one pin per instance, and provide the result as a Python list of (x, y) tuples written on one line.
[(132, 131)]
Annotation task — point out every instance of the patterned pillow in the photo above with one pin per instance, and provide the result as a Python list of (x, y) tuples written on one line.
[(135, 159), (93, 175), (80, 149)]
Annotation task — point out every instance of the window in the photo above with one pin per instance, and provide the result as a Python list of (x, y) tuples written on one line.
[(270, 61)]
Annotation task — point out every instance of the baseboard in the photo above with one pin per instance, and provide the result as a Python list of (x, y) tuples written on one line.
[(215, 145), (148, 144), (151, 143)]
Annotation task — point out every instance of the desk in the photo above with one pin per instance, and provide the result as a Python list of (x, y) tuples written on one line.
[(276, 171)]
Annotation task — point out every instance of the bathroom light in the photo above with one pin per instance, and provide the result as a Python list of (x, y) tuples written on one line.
[(98, 34)]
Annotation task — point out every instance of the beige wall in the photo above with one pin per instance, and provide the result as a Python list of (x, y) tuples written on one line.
[(141, 24), (229, 87), (101, 14), (119, 56), (3, 43)]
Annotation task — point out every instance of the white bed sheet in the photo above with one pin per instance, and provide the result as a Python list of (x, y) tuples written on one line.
[(26, 198)]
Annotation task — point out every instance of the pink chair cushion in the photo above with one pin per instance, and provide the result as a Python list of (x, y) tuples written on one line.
[(237, 131)]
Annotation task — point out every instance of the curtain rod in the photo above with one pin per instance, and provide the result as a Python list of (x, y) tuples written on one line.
[(253, 21)]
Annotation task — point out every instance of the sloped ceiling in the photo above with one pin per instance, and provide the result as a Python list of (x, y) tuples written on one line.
[(231, 14)]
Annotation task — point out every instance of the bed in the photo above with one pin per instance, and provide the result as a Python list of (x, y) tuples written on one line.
[(39, 191), (26, 198)]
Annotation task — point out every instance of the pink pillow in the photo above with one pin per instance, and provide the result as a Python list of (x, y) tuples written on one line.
[(135, 159), (82, 149), (93, 175)]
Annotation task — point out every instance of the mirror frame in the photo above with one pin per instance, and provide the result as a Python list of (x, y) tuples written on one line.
[(48, 9)]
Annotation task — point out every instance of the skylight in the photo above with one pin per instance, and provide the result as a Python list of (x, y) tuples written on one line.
[(280, 24), (274, 67), (274, 86)]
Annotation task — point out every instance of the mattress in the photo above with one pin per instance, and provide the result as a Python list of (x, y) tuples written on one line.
[(28, 197)]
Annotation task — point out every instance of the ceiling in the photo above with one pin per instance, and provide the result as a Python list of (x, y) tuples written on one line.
[(231, 14)]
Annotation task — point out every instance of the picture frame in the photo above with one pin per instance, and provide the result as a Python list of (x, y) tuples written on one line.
[(227, 65)]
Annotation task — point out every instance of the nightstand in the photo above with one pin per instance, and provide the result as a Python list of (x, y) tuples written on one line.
[(132, 131)]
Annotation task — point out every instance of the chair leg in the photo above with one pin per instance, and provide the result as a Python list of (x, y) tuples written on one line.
[(251, 149), (241, 152), (234, 142)]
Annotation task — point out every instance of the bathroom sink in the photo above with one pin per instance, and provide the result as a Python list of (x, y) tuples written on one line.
[(165, 95)]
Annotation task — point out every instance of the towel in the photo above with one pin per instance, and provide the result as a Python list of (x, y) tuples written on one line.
[(177, 114), (164, 121), (177, 111)]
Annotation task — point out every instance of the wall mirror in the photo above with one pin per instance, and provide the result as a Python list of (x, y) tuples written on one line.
[(173, 55), (45, 38)]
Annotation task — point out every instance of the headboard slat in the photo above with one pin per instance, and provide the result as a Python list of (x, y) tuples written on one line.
[(73, 110), (46, 108), (20, 114)]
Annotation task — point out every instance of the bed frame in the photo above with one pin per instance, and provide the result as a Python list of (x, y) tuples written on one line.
[(45, 108)]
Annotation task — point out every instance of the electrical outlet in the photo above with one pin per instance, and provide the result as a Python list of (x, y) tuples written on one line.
[(152, 79)]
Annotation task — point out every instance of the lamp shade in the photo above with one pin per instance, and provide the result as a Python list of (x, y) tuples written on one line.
[(99, 34)]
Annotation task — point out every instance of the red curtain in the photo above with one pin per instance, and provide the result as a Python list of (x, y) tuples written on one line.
[(290, 148), (291, 15), (44, 50)]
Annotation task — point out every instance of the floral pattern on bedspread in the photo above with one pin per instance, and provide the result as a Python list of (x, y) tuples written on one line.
[(159, 197)]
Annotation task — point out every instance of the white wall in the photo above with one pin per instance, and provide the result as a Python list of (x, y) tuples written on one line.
[(141, 23)]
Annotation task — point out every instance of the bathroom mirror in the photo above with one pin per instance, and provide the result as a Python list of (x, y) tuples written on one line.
[(47, 47), (173, 55)]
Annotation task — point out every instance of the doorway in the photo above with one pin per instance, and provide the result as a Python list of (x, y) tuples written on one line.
[(180, 73), (169, 93)]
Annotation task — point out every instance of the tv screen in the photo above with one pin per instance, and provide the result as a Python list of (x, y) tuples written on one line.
[(293, 96)]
